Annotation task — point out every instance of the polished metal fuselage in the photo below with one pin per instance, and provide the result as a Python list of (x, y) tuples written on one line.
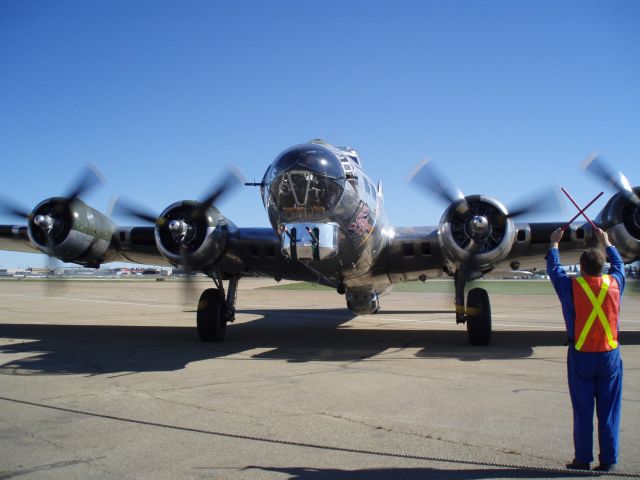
[(362, 232)]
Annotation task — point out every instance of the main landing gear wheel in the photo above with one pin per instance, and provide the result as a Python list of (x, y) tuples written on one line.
[(212, 319), (478, 317)]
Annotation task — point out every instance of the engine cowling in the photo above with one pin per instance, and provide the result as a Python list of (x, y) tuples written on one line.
[(479, 226), (70, 230), (188, 234), (620, 218)]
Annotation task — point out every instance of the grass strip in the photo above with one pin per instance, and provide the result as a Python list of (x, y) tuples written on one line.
[(504, 287)]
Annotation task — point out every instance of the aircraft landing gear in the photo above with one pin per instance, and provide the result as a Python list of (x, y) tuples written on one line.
[(478, 317), (215, 311), (476, 314)]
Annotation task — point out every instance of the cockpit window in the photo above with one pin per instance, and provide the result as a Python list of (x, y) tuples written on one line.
[(315, 158), (304, 182), (303, 194)]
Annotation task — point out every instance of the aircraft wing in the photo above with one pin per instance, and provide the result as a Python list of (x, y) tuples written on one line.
[(128, 244), (247, 251), (419, 253), (15, 238)]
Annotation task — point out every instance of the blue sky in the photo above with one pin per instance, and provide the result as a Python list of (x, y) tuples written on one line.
[(506, 96)]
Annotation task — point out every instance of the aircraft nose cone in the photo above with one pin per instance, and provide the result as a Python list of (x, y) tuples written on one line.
[(308, 157), (305, 182)]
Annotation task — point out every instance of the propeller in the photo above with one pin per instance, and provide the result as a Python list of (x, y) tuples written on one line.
[(430, 179), (49, 222), (231, 180), (13, 209), (473, 231), (89, 178), (127, 208), (545, 200), (607, 174), (181, 229)]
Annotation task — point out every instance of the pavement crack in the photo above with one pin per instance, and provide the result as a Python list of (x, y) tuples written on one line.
[(40, 468), (424, 436), (201, 407)]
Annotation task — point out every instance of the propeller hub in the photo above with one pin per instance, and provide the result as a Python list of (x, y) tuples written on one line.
[(178, 228), (44, 222), (479, 226)]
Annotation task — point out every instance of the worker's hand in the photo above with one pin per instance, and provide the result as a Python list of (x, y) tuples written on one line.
[(556, 236), (603, 237)]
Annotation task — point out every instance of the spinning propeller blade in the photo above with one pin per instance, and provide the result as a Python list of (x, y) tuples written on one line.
[(546, 200), (88, 179), (473, 227), (128, 209), (596, 166), (49, 222), (432, 181), (14, 209), (231, 180), (178, 227)]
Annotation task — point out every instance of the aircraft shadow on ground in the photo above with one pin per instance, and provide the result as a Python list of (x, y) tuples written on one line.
[(301, 473), (291, 335)]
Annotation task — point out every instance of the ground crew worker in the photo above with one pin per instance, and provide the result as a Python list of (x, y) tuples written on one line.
[(590, 306)]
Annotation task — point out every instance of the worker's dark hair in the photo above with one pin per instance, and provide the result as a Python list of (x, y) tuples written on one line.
[(592, 262)]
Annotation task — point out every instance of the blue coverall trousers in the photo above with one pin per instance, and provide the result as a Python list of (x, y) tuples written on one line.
[(595, 378)]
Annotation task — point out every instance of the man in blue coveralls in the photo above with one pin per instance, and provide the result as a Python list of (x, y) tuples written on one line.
[(590, 306)]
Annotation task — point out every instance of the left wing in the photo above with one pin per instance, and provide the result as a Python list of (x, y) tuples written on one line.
[(234, 251), (15, 238)]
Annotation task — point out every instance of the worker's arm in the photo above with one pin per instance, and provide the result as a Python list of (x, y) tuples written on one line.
[(554, 267), (616, 264), (561, 281), (558, 276)]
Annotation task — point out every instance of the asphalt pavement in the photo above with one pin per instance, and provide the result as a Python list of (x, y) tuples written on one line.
[(108, 380)]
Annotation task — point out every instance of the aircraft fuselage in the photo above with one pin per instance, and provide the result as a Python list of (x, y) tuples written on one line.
[(328, 215)]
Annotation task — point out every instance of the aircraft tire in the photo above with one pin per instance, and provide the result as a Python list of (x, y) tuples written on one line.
[(211, 321), (479, 324)]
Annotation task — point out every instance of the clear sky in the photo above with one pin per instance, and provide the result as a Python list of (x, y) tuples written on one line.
[(506, 96)]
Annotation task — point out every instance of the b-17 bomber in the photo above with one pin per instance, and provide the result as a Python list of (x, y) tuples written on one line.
[(328, 226)]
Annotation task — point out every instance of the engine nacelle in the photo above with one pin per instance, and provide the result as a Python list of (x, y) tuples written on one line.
[(189, 235), (70, 230), (363, 303), (480, 226), (620, 217)]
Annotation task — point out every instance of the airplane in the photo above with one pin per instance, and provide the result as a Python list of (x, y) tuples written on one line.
[(327, 226)]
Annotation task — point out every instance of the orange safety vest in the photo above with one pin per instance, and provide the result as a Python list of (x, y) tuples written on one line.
[(596, 324)]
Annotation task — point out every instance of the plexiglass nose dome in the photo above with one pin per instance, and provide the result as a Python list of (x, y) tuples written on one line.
[(304, 182)]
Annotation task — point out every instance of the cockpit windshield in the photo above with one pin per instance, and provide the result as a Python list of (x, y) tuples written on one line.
[(304, 182), (311, 157)]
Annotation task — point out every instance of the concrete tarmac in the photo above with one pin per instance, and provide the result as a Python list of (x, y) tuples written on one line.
[(108, 380)]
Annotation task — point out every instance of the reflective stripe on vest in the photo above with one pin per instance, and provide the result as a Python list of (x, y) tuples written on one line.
[(596, 311)]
